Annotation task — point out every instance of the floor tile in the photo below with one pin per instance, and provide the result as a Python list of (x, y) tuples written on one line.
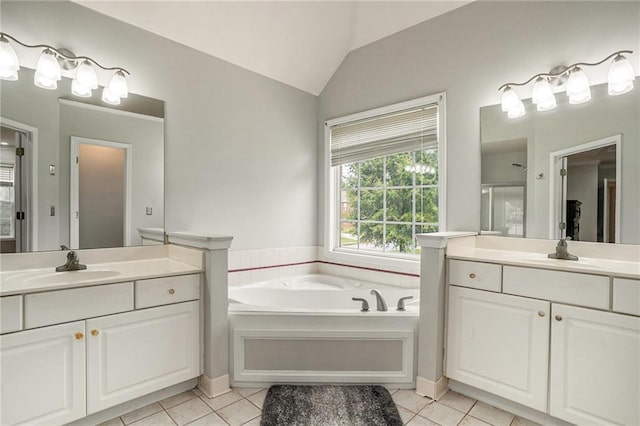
[(258, 398), (519, 421), (141, 413), (254, 422), (222, 400), (189, 411), (441, 414), (491, 414), (405, 414), (198, 392), (472, 421), (177, 399), (247, 391), (459, 402), (421, 421), (113, 422), (158, 419), (209, 420), (239, 412), (407, 398)]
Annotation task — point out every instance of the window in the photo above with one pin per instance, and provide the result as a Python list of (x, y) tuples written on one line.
[(386, 178)]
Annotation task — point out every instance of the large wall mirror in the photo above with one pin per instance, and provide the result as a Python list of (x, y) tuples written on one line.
[(595, 144), (76, 173)]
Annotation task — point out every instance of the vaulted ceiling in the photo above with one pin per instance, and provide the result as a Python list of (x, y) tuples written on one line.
[(299, 43)]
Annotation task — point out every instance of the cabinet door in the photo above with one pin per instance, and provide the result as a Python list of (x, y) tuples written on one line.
[(595, 366), (43, 375), (499, 343), (135, 353)]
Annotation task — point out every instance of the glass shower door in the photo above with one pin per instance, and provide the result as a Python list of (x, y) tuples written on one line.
[(503, 210)]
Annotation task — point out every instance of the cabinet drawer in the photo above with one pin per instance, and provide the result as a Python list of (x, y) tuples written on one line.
[(483, 276), (557, 286), (162, 291), (69, 305), (626, 296), (10, 314)]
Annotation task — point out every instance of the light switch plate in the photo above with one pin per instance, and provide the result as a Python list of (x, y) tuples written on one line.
[(149, 211), (52, 170)]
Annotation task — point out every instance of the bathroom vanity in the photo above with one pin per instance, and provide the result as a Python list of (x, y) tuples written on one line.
[(76, 343)]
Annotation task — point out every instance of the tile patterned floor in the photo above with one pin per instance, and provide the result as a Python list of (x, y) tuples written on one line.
[(243, 406)]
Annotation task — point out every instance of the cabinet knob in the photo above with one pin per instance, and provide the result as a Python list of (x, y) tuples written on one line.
[(472, 275), (558, 318), (79, 336), (541, 314), (94, 332), (171, 291)]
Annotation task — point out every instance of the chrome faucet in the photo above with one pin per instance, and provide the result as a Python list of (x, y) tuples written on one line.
[(73, 263), (381, 305)]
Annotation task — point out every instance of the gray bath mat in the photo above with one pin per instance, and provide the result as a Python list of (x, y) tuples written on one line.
[(291, 405)]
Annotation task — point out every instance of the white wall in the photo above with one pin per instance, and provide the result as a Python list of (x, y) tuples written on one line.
[(469, 53), (240, 148)]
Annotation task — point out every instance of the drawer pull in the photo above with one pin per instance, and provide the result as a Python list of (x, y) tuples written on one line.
[(94, 332), (558, 318), (171, 291), (541, 314), (79, 336), (472, 275)]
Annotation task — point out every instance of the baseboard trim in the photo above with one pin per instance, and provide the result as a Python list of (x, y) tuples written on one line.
[(214, 387), (434, 390)]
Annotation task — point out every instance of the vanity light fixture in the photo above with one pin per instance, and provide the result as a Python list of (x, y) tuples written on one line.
[(578, 88), (49, 71)]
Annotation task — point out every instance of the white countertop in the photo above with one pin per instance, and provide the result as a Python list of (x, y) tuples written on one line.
[(46, 279)]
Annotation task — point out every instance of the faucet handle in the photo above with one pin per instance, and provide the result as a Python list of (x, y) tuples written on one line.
[(401, 302), (365, 304)]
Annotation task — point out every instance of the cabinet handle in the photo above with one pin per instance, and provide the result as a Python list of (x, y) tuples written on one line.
[(472, 275), (94, 332), (541, 314), (558, 318), (79, 336), (171, 291)]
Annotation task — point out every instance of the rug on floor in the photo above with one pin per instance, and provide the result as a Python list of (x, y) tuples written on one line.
[(289, 405)]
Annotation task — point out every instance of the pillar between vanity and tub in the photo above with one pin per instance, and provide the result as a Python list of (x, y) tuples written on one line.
[(215, 375), (430, 380)]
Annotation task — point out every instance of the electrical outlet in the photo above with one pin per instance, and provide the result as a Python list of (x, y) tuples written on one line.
[(52, 170), (149, 211), (52, 210)]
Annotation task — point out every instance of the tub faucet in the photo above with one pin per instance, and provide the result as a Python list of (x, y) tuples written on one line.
[(73, 263), (381, 305)]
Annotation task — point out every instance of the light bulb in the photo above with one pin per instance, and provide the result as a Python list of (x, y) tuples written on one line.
[(517, 110), (578, 88), (542, 95), (118, 85), (48, 70), (109, 97), (9, 65), (86, 76), (621, 76), (510, 99), (78, 89)]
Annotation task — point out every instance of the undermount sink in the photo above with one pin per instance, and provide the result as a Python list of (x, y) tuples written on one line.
[(70, 276)]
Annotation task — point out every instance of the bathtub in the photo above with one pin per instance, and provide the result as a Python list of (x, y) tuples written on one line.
[(306, 329)]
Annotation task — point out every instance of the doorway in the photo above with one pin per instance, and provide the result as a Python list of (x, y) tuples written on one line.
[(100, 193)]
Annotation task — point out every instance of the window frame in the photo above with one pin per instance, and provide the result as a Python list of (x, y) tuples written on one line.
[(332, 201)]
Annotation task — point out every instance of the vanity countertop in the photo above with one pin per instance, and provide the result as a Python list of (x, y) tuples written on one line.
[(46, 279)]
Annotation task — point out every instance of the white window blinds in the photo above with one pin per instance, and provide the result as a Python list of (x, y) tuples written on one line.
[(402, 131)]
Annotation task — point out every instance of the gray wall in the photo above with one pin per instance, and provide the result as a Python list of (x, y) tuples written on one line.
[(469, 53), (240, 148)]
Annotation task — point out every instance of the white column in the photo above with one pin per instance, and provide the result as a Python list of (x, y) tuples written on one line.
[(215, 378), (430, 380)]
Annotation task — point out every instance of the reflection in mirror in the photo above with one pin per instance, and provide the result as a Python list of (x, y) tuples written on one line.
[(78, 174), (522, 161)]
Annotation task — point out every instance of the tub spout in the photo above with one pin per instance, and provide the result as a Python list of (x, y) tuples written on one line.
[(381, 305)]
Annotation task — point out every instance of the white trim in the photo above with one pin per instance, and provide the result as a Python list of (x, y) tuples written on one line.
[(434, 390), (214, 387), (605, 209), (405, 375), (100, 108), (74, 233), (331, 232), (32, 217), (554, 187), (203, 241)]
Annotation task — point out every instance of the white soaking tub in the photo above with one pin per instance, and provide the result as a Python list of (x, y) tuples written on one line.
[(306, 329)]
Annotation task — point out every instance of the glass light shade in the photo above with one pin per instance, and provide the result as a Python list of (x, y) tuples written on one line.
[(9, 64), (118, 85), (86, 76), (48, 67), (510, 99), (43, 82), (109, 97), (542, 95), (578, 88), (517, 110), (621, 76), (78, 89)]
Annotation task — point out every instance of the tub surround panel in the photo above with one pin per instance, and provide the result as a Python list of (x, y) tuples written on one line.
[(256, 258)]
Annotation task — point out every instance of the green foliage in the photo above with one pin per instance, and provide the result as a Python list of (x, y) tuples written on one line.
[(383, 190)]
